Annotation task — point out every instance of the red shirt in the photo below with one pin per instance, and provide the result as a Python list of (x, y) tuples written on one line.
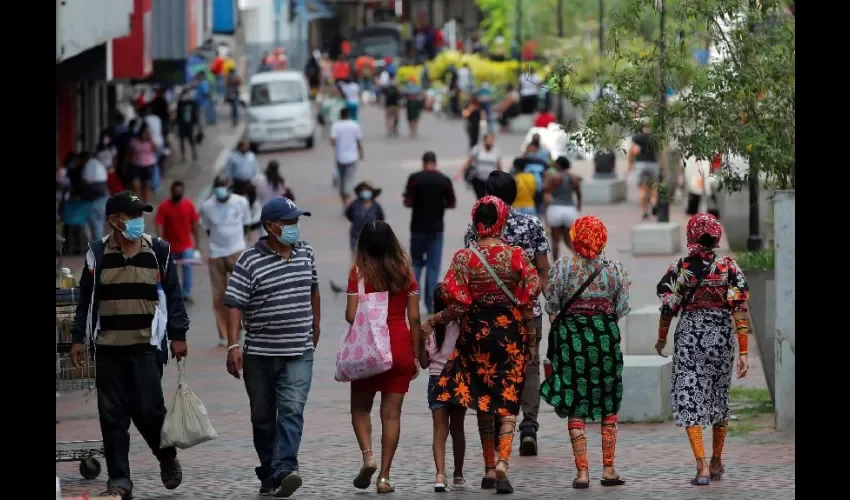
[(177, 220), (544, 119)]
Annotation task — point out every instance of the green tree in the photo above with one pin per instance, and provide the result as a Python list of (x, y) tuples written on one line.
[(742, 104)]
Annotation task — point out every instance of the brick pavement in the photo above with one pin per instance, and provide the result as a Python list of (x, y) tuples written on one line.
[(655, 458)]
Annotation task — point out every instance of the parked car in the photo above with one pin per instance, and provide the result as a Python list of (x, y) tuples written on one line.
[(279, 109)]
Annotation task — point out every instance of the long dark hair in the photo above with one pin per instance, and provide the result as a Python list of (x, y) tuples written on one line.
[(439, 306), (273, 175), (381, 260)]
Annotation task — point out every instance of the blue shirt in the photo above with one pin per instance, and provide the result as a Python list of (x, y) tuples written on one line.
[(242, 166)]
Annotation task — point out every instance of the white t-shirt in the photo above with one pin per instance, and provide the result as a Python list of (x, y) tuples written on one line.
[(155, 126), (225, 221), (485, 161), (529, 85), (346, 133), (351, 91), (94, 172), (384, 80), (464, 78)]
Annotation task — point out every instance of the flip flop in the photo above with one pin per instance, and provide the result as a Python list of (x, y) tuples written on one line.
[(617, 481), (701, 481), (504, 487), (580, 485)]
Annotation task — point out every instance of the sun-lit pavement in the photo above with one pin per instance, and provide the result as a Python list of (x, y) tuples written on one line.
[(654, 458)]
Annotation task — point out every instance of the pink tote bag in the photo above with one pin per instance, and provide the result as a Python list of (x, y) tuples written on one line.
[(365, 349)]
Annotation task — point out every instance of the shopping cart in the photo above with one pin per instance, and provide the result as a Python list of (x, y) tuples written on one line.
[(70, 378)]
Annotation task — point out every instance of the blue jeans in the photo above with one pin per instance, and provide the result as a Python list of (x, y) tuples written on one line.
[(528, 211), (426, 250), (234, 111), (208, 106), (277, 390), (488, 112), (187, 271), (97, 218)]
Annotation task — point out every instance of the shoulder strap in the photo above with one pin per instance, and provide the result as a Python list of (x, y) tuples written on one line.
[(690, 296), (161, 252), (492, 273), (566, 305)]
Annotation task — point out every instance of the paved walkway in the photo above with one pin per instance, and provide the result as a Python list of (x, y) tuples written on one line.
[(655, 458)]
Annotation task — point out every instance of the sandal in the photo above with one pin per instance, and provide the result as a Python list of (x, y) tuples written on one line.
[(364, 477), (488, 483), (717, 476), (615, 481), (440, 484), (700, 480), (458, 482), (581, 485), (383, 485), (503, 484)]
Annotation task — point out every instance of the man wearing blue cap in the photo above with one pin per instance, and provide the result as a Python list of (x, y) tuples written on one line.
[(274, 293)]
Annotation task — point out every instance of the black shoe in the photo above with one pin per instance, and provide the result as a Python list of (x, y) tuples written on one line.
[(528, 444), (267, 487), (288, 484), (645, 216), (117, 492), (171, 473)]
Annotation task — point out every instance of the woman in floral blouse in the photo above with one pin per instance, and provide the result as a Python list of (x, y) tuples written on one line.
[(709, 293), (587, 294), (493, 287)]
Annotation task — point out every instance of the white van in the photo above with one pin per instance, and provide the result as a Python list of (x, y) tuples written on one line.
[(279, 109)]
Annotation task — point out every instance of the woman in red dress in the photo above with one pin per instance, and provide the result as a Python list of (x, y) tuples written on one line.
[(383, 265), (486, 372)]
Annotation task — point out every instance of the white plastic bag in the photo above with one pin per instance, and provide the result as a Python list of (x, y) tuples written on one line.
[(186, 423)]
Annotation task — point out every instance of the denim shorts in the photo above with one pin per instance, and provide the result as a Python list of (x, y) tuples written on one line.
[(433, 404)]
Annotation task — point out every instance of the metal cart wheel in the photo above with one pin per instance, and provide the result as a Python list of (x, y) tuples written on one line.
[(90, 468)]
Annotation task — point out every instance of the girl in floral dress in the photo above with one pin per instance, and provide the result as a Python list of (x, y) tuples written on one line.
[(709, 293), (586, 295), (493, 286)]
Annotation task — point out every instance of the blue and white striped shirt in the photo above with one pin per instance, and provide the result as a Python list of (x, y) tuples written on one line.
[(275, 296)]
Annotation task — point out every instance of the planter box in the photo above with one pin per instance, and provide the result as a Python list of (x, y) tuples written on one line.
[(763, 319), (784, 210)]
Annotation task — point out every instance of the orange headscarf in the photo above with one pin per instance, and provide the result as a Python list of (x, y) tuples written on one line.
[(589, 236)]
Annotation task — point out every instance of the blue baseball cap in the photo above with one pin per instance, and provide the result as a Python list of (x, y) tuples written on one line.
[(281, 208)]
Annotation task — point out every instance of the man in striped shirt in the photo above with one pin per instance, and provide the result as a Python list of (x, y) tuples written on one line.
[(274, 292), (127, 277)]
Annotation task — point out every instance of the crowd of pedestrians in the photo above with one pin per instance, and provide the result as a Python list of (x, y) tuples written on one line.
[(478, 337)]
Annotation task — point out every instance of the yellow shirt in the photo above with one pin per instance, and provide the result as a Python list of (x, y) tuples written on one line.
[(526, 188)]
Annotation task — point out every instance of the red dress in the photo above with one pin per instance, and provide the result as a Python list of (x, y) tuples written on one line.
[(397, 378)]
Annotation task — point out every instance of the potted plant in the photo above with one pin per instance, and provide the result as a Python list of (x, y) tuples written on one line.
[(604, 163), (663, 207), (758, 269)]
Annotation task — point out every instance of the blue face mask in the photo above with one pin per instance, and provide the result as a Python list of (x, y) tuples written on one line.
[(221, 193), (134, 228), (366, 194), (289, 234)]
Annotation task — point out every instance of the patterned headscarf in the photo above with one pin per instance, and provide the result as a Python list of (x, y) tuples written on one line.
[(699, 225), (589, 236), (495, 230)]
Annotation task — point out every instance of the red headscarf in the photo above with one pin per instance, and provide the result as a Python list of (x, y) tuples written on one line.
[(699, 225), (494, 231), (589, 236)]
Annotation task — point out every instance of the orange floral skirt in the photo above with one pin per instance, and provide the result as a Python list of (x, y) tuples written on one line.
[(486, 371)]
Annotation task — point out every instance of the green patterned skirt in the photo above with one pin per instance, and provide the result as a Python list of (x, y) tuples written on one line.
[(587, 367)]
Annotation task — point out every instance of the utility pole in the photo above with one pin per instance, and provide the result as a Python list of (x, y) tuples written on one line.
[(754, 241), (601, 28)]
